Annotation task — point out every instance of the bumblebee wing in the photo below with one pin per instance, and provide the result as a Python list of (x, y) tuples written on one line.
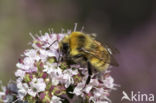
[(113, 49), (95, 54), (90, 52), (113, 61)]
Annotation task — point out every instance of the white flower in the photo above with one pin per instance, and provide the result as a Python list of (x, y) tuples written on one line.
[(3, 88), (47, 40), (56, 76), (2, 94), (27, 65), (109, 82), (32, 53), (49, 67), (68, 80), (55, 99), (100, 94), (8, 98), (20, 73), (88, 88), (22, 89), (47, 53), (32, 92), (78, 90), (45, 37), (67, 77), (94, 100), (55, 72), (55, 81), (94, 82), (36, 85)]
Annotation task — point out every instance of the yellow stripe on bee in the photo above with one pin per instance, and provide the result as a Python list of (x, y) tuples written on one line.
[(96, 62), (74, 52), (99, 64)]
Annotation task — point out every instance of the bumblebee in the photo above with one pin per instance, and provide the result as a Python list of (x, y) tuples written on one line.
[(81, 47)]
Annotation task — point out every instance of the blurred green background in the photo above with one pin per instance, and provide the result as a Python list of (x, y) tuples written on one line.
[(129, 25)]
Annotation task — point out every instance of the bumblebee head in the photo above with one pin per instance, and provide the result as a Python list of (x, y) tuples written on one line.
[(64, 45)]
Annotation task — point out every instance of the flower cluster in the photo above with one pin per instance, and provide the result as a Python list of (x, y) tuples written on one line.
[(43, 76)]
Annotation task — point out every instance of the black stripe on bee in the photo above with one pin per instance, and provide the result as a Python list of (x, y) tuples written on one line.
[(81, 39), (77, 56), (65, 48), (81, 43)]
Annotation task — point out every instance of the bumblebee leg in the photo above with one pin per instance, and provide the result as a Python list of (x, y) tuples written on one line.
[(89, 72), (88, 66)]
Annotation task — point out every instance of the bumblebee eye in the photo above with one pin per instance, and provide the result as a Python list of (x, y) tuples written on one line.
[(65, 47)]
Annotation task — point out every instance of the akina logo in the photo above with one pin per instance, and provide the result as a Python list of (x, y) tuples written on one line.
[(138, 97)]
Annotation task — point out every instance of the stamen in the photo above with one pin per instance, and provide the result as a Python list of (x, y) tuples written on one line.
[(62, 30), (40, 32), (82, 28), (49, 31), (32, 36), (75, 27)]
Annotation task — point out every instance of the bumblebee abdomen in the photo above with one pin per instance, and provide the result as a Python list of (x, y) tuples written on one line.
[(99, 64)]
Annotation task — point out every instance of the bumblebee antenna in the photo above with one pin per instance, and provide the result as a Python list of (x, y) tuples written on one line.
[(75, 26), (50, 45)]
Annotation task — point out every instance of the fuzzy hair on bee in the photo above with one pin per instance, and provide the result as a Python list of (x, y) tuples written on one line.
[(81, 47)]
